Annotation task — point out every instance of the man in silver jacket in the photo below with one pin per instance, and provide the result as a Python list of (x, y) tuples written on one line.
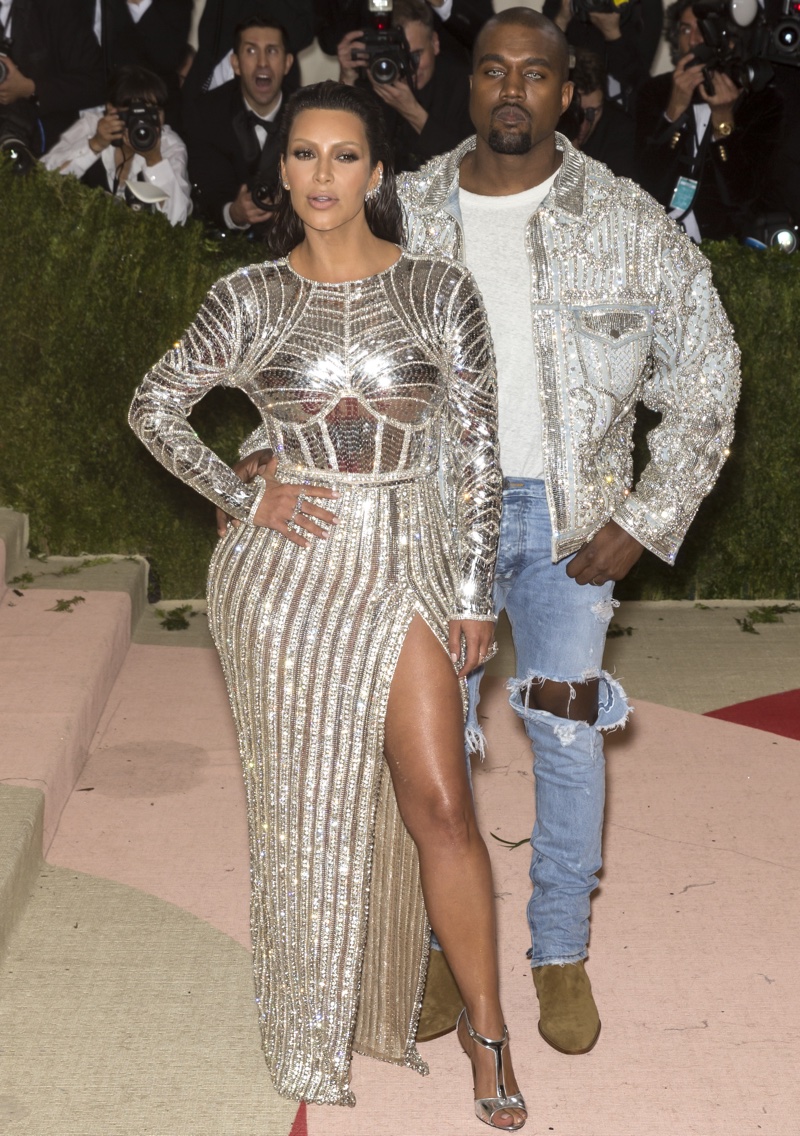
[(596, 301)]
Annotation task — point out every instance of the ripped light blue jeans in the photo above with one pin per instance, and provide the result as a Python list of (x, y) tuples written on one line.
[(559, 630)]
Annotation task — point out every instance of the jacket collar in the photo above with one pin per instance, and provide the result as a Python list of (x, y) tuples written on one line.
[(566, 196)]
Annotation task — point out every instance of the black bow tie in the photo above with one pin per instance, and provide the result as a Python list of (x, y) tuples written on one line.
[(254, 120)]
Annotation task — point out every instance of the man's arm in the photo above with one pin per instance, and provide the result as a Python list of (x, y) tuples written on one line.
[(694, 385)]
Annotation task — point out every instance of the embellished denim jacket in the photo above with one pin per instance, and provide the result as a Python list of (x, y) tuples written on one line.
[(623, 310)]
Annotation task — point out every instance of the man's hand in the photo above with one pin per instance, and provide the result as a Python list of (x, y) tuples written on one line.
[(244, 210), (110, 128), (723, 101), (608, 24), (348, 67), (686, 78), (15, 85), (253, 465), (478, 636), (609, 555), (400, 97)]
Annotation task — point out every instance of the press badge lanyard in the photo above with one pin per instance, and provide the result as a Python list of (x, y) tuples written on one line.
[(686, 187)]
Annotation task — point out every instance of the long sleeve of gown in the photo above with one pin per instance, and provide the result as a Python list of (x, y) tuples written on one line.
[(209, 353), (472, 449)]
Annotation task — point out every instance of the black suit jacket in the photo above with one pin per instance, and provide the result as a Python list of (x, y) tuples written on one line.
[(222, 154), (218, 23), (446, 99), (731, 181), (158, 41), (54, 44), (613, 141)]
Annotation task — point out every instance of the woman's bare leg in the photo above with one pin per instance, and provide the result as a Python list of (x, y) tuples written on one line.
[(425, 753)]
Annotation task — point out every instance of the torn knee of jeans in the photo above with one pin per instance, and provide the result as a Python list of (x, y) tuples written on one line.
[(613, 709), (604, 609)]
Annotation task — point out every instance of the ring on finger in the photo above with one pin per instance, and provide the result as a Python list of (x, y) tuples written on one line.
[(597, 582)]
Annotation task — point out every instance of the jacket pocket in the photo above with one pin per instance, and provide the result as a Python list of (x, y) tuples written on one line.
[(613, 345)]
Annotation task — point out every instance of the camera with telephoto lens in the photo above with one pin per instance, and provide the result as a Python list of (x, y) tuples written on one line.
[(143, 123), (5, 53), (385, 49), (743, 42)]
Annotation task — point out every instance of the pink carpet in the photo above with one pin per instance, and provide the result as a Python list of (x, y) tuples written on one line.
[(694, 927)]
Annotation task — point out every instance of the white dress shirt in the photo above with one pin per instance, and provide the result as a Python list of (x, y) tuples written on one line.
[(72, 154)]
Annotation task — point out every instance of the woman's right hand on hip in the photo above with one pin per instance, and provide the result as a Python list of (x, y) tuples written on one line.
[(290, 509)]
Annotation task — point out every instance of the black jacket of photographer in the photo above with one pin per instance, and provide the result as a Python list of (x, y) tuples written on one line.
[(224, 152), (446, 99), (729, 171), (53, 43), (627, 59)]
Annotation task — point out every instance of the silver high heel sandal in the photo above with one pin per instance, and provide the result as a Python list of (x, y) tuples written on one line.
[(486, 1108)]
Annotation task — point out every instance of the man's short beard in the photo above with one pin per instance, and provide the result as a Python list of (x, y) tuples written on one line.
[(503, 143)]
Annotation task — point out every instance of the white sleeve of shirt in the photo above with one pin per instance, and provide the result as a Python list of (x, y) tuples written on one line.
[(445, 11), (72, 153), (230, 223), (171, 175)]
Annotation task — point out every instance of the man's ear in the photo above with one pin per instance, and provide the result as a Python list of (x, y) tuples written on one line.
[(235, 64), (567, 92), (435, 41), (288, 65)]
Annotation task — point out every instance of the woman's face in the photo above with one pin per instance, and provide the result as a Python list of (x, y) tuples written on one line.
[(328, 168)]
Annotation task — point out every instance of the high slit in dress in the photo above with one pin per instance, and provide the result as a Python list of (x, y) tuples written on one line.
[(383, 389)]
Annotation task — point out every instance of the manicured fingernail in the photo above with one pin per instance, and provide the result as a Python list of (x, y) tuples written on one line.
[(454, 657)]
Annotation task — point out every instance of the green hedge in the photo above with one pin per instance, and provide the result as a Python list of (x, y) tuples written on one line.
[(91, 294)]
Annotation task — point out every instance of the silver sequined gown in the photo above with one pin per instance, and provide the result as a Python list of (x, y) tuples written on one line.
[(369, 387)]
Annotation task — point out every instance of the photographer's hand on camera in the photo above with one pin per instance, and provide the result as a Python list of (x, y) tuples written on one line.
[(686, 78), (110, 130), (608, 24), (723, 102), (244, 211), (349, 67), (15, 85), (400, 97)]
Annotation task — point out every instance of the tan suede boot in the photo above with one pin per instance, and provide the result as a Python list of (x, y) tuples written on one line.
[(568, 1018), (442, 1002)]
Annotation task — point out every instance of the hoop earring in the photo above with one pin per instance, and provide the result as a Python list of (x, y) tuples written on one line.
[(371, 194)]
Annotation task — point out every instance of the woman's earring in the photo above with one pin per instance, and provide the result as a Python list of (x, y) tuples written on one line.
[(286, 185), (371, 194)]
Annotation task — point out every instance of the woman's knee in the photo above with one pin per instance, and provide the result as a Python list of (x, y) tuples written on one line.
[(445, 821)]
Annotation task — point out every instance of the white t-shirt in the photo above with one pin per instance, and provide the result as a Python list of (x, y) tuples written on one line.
[(494, 233)]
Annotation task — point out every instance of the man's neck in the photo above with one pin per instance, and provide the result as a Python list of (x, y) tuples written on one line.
[(263, 111), (485, 172)]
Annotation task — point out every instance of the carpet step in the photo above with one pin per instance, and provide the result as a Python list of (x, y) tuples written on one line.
[(63, 638), (21, 817)]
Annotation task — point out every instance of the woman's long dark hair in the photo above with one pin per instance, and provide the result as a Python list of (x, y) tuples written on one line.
[(382, 211)]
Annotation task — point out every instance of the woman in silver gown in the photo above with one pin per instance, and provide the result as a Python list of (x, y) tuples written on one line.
[(347, 606)]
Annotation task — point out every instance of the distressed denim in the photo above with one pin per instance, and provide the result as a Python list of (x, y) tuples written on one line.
[(559, 630)]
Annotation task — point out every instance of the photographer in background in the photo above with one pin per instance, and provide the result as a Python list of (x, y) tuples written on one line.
[(51, 68), (427, 109), (702, 152), (456, 22), (147, 33), (126, 149), (605, 131), (233, 144), (626, 38), (211, 67)]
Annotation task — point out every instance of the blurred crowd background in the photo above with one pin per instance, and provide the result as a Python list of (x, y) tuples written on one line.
[(175, 106)]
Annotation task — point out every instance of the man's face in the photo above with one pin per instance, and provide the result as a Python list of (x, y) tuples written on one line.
[(592, 107), (424, 46), (689, 34), (261, 63), (518, 90)]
